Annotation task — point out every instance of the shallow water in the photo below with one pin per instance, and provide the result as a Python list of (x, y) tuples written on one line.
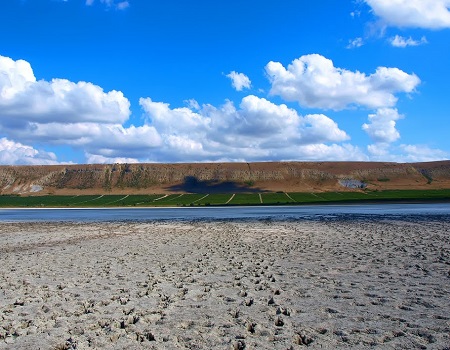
[(220, 213)]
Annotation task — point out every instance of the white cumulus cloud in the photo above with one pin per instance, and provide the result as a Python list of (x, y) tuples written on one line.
[(60, 112), (15, 153), (334, 152), (399, 41), (84, 117), (94, 138), (405, 153), (98, 159), (239, 80), (24, 99), (422, 153), (381, 128), (430, 14), (379, 151), (314, 81), (257, 130)]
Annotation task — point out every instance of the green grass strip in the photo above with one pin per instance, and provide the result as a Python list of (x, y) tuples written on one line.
[(204, 199)]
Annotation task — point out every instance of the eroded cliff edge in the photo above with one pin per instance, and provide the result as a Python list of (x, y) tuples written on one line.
[(222, 177)]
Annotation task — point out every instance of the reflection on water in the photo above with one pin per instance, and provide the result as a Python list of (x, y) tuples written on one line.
[(220, 213)]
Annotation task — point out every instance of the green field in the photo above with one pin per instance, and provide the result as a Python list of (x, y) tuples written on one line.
[(277, 198), (245, 199), (202, 199)]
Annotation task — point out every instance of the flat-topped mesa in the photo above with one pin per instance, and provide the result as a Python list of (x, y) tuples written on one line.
[(222, 177)]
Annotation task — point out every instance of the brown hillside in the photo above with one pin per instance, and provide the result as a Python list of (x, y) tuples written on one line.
[(222, 177)]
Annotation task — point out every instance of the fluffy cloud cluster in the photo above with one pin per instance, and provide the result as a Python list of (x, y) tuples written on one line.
[(81, 115), (382, 130), (98, 159), (314, 81), (23, 99), (239, 80), (430, 14), (95, 138), (399, 41), (382, 126), (61, 112), (16, 153), (420, 153), (258, 129), (405, 153)]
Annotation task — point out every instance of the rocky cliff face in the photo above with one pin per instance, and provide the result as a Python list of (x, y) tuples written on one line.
[(221, 177)]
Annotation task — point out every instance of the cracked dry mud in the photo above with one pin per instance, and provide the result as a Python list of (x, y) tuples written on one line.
[(326, 284)]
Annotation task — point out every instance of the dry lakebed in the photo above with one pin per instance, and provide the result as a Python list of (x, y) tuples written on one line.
[(373, 282)]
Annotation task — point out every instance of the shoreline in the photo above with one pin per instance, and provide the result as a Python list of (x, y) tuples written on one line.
[(356, 202), (427, 211)]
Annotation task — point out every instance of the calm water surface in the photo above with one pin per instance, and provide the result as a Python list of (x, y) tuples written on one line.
[(220, 213)]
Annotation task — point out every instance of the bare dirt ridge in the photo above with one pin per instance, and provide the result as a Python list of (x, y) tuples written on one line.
[(221, 177)]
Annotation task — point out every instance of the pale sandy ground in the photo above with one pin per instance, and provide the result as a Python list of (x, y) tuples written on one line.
[(324, 284)]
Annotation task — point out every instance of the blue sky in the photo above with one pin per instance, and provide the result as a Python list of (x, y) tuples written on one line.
[(105, 81)]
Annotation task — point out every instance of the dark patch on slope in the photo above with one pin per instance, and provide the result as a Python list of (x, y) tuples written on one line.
[(193, 185)]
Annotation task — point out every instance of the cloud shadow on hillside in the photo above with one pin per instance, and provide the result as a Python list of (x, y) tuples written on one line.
[(193, 185)]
